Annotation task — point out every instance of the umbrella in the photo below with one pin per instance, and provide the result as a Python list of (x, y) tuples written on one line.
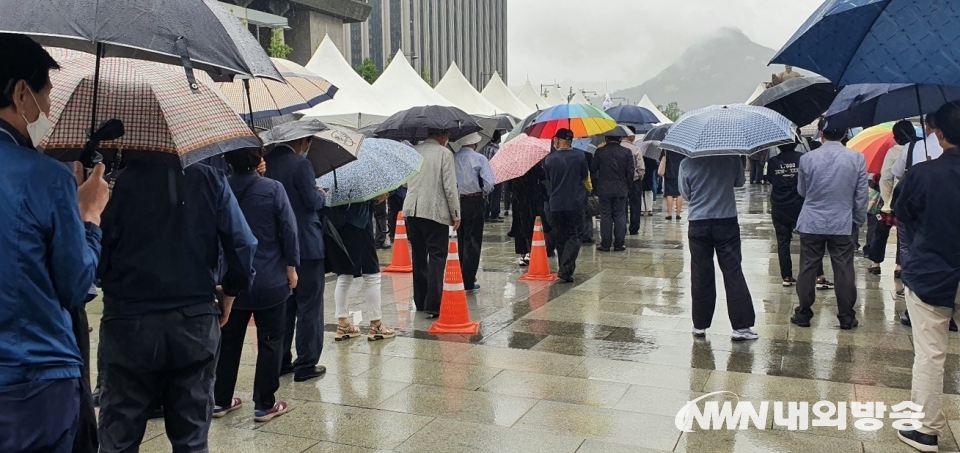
[(268, 98), (651, 149), (161, 113), (522, 125), (631, 115), (490, 124), (516, 157), (879, 41), (801, 100), (874, 103), (583, 119), (874, 143), (330, 149), (728, 129), (414, 124), (383, 166), (658, 133)]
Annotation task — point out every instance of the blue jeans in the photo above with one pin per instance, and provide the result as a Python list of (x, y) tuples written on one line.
[(613, 221)]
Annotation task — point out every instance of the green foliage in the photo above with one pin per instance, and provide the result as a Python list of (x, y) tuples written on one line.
[(425, 74), (368, 71), (570, 95), (671, 110), (545, 92), (278, 48)]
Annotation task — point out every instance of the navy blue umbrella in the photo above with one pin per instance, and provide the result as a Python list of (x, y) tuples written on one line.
[(874, 103), (879, 41), (632, 115)]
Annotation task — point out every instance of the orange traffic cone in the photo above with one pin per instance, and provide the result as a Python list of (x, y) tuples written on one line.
[(401, 249), (454, 313), (539, 269)]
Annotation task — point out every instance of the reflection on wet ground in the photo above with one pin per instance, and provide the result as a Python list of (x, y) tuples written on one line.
[(603, 364)]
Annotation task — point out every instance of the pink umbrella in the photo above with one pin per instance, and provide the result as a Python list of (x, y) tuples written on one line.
[(516, 157)]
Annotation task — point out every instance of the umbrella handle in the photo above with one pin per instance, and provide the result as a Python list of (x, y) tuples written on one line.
[(187, 64), (923, 123)]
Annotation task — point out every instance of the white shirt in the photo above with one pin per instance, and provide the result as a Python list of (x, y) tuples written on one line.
[(920, 153)]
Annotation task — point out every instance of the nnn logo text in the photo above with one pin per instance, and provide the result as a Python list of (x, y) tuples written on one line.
[(718, 415)]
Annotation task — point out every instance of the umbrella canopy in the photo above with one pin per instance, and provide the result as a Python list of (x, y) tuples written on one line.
[(522, 125), (657, 134), (583, 119), (200, 32), (490, 124), (874, 103), (728, 129), (874, 143), (801, 100), (330, 149), (651, 149), (268, 98), (383, 166), (632, 115), (879, 41), (160, 112), (414, 124), (516, 157)]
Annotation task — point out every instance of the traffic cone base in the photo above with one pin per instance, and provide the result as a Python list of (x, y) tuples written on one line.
[(454, 312), (402, 263), (539, 269)]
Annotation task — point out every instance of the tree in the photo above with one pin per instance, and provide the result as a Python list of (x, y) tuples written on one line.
[(671, 110), (570, 95), (368, 71), (425, 74), (545, 92), (278, 48)]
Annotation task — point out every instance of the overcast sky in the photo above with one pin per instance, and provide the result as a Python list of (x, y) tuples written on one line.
[(627, 42)]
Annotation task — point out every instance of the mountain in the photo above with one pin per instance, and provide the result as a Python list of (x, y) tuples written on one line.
[(721, 69)]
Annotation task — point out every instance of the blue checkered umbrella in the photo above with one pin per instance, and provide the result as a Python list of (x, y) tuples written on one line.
[(382, 166), (728, 129)]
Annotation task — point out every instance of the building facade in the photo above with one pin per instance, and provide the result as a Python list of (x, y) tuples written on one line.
[(433, 34)]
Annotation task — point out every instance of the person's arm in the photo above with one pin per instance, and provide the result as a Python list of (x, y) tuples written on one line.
[(74, 244), (900, 167), (306, 186), (629, 171), (448, 172), (239, 247), (740, 178), (287, 228), (861, 198), (682, 177), (486, 175), (887, 182), (802, 177)]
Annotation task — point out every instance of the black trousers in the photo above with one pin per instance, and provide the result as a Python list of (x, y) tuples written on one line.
[(305, 312), (784, 224), (811, 259), (493, 210), (394, 206), (40, 416), (756, 171), (613, 221), (877, 246), (470, 238), (428, 249), (723, 237), (567, 231), (169, 356), (380, 223), (635, 202), (505, 188), (266, 380)]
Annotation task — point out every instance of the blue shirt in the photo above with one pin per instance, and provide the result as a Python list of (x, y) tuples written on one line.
[(707, 184), (927, 208), (296, 174), (567, 170), (474, 174), (48, 262), (833, 184)]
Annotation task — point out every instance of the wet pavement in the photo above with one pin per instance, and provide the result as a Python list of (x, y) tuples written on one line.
[(601, 365)]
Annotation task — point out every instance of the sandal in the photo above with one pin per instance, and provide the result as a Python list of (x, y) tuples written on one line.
[(346, 332), (380, 333), (235, 404)]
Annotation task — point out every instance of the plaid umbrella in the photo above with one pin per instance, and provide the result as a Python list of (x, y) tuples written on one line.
[(270, 98), (383, 166), (160, 112), (583, 119), (728, 129), (516, 157), (330, 149)]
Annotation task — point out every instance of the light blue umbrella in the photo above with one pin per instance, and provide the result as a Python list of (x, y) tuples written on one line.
[(382, 166), (728, 130)]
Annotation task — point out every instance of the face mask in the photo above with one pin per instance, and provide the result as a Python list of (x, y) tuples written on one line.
[(38, 129)]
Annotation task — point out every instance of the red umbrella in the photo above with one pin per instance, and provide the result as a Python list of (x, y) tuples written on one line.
[(516, 157)]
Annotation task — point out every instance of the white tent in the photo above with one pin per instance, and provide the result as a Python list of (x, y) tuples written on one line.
[(649, 105), (458, 90), (529, 96), (756, 93), (356, 103), (579, 98), (554, 97), (497, 93), (401, 82)]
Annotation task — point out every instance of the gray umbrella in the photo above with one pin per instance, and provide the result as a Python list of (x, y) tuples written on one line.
[(330, 149), (415, 124)]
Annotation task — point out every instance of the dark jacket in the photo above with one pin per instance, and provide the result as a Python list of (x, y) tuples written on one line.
[(266, 208), (566, 170), (354, 214), (612, 170), (650, 172), (673, 164), (296, 175), (162, 231), (782, 171)]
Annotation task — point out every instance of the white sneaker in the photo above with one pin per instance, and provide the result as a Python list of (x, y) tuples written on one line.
[(744, 334), (700, 333)]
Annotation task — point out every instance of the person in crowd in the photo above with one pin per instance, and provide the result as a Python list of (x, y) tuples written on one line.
[(649, 181), (474, 181), (379, 211), (360, 260), (612, 171), (787, 74), (268, 212), (927, 206), (635, 197), (304, 312), (708, 184), (431, 207), (758, 161), (833, 182), (493, 211), (528, 199), (671, 187), (906, 137), (394, 206), (51, 231), (160, 335), (567, 171)]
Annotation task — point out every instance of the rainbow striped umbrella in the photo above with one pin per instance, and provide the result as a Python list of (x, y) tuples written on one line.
[(583, 119), (874, 143)]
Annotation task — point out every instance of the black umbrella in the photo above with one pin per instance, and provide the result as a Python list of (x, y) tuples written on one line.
[(640, 118), (801, 100), (874, 103), (657, 134), (414, 124)]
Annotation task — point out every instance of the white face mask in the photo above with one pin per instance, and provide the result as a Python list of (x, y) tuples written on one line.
[(38, 129)]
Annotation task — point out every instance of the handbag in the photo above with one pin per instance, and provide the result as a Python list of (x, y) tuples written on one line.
[(874, 202), (662, 170), (593, 206)]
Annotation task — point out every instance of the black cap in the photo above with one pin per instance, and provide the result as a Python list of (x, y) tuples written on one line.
[(564, 134)]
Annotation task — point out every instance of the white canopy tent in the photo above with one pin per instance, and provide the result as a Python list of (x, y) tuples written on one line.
[(649, 105), (529, 96), (458, 90), (357, 104), (401, 82), (756, 93), (497, 93), (579, 98), (554, 97)]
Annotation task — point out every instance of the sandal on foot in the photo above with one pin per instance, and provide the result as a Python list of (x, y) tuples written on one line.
[(235, 404), (346, 332), (278, 409), (380, 332)]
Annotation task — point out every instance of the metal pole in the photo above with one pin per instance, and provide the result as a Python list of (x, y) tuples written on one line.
[(246, 87), (923, 126), (96, 88)]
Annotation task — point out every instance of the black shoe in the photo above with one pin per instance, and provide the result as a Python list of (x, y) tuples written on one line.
[(678, 217), (286, 369), (432, 314), (496, 220), (603, 249), (669, 218), (896, 275), (799, 321), (850, 325), (565, 278), (619, 249), (953, 326), (918, 440), (634, 233), (588, 241), (96, 397), (874, 270), (315, 372), (383, 247), (905, 318)]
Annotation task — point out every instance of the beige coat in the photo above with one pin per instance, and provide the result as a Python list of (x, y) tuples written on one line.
[(432, 194)]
